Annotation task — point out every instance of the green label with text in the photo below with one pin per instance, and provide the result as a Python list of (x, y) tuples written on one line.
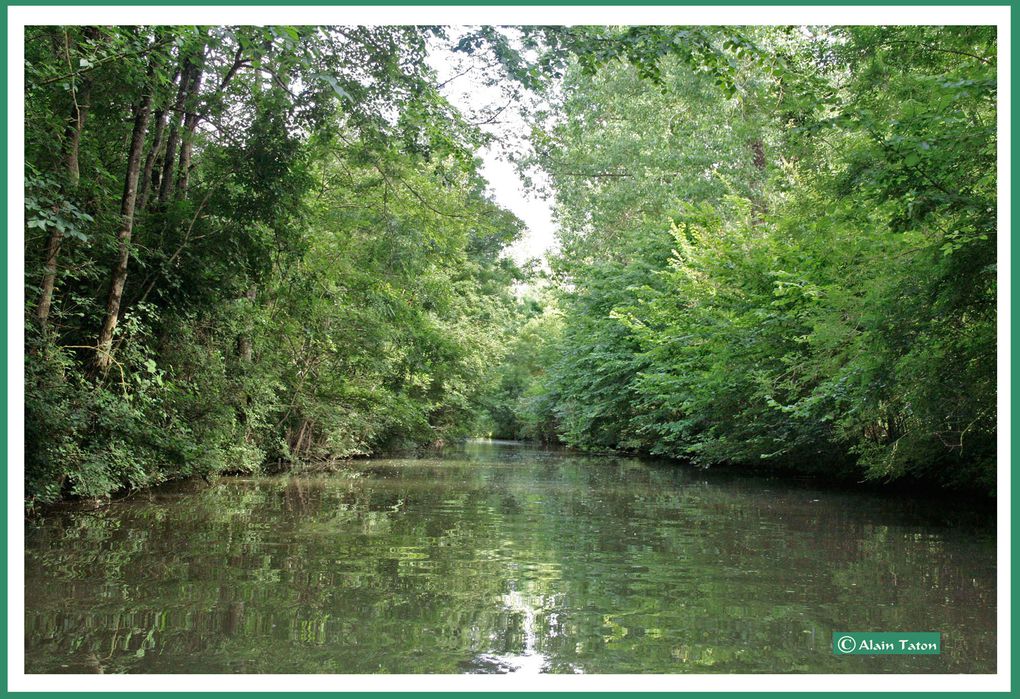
[(886, 643)]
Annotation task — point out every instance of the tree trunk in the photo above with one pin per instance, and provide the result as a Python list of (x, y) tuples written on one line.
[(72, 144), (42, 311), (104, 358), (758, 153), (148, 183), (79, 110), (176, 115), (191, 120), (759, 205)]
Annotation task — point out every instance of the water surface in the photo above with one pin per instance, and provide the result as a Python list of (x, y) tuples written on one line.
[(504, 558)]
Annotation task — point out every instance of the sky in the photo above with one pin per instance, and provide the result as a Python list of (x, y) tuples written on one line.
[(471, 95)]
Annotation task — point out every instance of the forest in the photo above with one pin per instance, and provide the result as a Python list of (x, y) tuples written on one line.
[(257, 248)]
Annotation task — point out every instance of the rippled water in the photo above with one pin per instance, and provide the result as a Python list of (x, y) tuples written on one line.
[(503, 558)]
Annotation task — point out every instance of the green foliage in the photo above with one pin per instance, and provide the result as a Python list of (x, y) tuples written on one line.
[(331, 282), (803, 275), (517, 404), (776, 247)]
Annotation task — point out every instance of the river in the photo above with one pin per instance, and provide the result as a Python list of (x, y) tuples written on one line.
[(495, 557)]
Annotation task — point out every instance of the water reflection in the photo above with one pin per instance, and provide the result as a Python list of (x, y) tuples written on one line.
[(529, 661), (498, 558)]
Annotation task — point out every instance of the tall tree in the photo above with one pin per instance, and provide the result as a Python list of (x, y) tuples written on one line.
[(104, 343)]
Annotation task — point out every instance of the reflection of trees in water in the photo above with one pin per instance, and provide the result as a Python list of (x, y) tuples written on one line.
[(558, 563)]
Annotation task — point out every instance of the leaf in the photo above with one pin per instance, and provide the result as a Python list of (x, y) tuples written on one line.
[(331, 80)]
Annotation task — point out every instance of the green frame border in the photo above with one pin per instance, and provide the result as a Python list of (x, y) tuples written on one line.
[(4, 150), (509, 3)]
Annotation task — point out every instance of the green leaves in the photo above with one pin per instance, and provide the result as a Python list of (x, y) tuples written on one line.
[(332, 82), (47, 210), (776, 245), (817, 279), (332, 280)]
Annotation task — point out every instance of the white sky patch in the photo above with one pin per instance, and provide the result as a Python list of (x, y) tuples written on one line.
[(470, 94)]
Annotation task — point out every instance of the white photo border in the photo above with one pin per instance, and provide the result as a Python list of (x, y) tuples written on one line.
[(20, 16)]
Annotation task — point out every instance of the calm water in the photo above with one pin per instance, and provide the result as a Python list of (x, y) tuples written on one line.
[(501, 558)]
